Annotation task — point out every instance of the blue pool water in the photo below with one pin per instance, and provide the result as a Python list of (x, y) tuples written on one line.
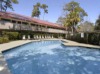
[(51, 57)]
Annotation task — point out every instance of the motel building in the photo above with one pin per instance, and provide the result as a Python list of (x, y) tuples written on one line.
[(29, 27)]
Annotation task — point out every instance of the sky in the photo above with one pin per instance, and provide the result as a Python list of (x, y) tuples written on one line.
[(55, 8)]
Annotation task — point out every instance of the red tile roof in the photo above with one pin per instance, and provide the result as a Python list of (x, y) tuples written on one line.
[(11, 15)]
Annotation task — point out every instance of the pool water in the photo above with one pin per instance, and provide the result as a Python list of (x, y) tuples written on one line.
[(51, 57)]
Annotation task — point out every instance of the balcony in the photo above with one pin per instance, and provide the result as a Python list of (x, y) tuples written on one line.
[(56, 30), (6, 25), (17, 26)]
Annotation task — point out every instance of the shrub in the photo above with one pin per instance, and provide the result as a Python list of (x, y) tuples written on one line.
[(92, 38), (1, 40), (11, 35), (4, 39)]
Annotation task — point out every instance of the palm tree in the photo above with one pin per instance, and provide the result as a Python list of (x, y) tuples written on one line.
[(4, 4), (36, 10), (44, 7), (38, 4)]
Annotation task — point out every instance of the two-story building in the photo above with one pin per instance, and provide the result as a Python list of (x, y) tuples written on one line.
[(28, 25)]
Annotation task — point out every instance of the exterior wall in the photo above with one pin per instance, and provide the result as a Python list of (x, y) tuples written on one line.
[(22, 26), (33, 28), (25, 27), (14, 26), (6, 25)]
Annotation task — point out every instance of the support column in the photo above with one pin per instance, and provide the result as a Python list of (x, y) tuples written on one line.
[(87, 37)]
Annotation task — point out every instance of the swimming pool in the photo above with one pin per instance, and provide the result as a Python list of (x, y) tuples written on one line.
[(51, 57)]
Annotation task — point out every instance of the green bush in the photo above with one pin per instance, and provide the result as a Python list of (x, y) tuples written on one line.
[(11, 35), (91, 38), (94, 38), (1, 40), (4, 40)]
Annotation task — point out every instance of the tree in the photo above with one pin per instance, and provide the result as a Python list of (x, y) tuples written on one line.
[(5, 4), (36, 11), (60, 20), (44, 7), (38, 4), (97, 26), (86, 27), (74, 15)]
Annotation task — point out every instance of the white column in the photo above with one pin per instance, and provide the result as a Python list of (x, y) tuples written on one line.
[(45, 36), (52, 36), (24, 37), (29, 37)]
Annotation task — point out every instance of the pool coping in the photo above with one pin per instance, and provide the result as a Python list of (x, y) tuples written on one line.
[(64, 42), (14, 46), (76, 44)]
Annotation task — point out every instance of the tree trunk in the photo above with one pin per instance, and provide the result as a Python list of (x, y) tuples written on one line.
[(72, 30), (43, 15), (38, 17)]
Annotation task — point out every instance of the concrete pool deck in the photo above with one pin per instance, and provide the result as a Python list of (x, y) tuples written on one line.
[(3, 65), (73, 43), (13, 44)]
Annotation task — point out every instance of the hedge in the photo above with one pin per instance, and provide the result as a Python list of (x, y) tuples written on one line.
[(11, 35), (4, 40), (92, 38)]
